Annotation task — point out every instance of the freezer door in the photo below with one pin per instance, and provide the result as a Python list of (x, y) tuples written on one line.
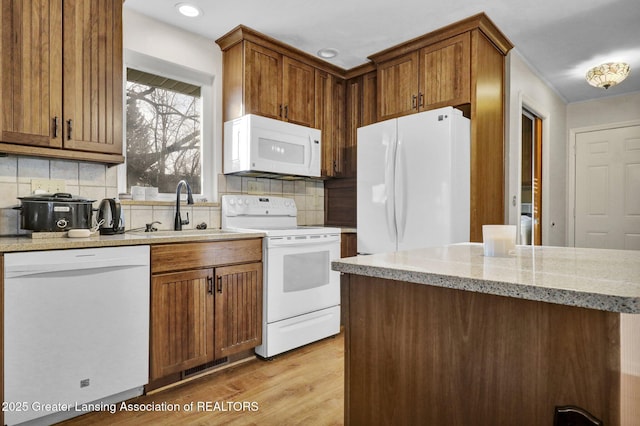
[(376, 216), (432, 179)]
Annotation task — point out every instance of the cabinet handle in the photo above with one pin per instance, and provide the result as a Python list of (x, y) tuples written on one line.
[(219, 283), (210, 285), (286, 111), (280, 113), (69, 129), (414, 103), (420, 99), (55, 126)]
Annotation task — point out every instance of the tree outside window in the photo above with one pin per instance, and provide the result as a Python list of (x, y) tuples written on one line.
[(163, 132)]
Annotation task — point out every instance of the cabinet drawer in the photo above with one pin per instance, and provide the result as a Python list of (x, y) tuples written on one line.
[(176, 257)]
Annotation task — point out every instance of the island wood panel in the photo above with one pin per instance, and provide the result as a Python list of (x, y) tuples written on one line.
[(179, 257), (31, 72), (238, 308), (2, 337), (436, 356), (487, 135), (93, 75)]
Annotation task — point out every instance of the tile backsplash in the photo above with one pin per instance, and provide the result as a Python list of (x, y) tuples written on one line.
[(97, 181)]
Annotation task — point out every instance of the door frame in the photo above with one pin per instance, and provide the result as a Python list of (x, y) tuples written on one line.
[(512, 205), (571, 174)]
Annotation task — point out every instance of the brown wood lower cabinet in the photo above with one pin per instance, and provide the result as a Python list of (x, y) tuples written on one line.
[(207, 312), (181, 321), (238, 308)]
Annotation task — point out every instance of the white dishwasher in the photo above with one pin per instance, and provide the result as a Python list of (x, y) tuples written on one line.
[(76, 331)]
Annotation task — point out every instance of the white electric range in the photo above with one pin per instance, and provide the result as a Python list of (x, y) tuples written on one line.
[(301, 294)]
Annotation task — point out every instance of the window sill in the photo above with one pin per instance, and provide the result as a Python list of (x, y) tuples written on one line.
[(166, 203)]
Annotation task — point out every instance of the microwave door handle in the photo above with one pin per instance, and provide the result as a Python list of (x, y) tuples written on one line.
[(310, 152)]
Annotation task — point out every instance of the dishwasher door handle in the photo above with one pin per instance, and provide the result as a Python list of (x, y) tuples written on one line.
[(16, 271)]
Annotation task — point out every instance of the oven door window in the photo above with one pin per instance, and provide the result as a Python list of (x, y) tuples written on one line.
[(305, 271)]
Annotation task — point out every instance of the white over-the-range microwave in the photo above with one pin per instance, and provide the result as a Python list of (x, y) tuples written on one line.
[(260, 146)]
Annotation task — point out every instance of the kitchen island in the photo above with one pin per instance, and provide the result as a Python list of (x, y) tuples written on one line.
[(448, 336)]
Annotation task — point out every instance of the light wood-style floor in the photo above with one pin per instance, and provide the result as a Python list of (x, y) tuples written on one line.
[(301, 387)]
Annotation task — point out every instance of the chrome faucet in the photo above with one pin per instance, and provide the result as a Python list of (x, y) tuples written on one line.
[(178, 221)]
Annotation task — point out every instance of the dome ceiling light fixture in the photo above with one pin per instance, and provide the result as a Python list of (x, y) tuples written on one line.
[(607, 75), (328, 53), (188, 10)]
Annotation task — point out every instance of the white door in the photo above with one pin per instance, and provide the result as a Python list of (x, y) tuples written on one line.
[(607, 201)]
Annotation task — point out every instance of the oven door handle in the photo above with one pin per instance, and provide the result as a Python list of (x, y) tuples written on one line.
[(305, 243)]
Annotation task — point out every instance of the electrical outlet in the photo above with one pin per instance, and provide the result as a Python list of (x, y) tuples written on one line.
[(255, 187), (50, 186)]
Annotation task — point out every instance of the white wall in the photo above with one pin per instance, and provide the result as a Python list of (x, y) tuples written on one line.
[(150, 37), (525, 88), (615, 109)]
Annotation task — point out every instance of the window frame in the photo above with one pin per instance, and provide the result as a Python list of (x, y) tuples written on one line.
[(179, 72)]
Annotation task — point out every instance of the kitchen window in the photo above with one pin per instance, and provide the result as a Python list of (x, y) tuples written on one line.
[(168, 127)]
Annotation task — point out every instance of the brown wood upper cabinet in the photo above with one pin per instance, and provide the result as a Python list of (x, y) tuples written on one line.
[(330, 118), (266, 77), (61, 76), (434, 76), (272, 85)]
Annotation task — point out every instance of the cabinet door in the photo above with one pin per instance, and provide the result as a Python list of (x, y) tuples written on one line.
[(238, 308), (324, 121), (445, 73), (398, 86), (31, 72), (369, 89), (330, 115), (93, 75), (298, 87), (181, 321), (263, 81)]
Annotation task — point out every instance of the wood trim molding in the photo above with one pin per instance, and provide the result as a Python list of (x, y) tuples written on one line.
[(242, 33), (65, 154), (480, 21)]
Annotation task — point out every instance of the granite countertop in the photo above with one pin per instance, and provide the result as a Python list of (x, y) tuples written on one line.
[(27, 243), (606, 280)]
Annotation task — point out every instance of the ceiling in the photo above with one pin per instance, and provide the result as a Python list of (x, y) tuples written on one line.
[(560, 39)]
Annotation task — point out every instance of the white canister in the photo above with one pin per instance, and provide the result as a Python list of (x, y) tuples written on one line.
[(498, 240), (138, 193)]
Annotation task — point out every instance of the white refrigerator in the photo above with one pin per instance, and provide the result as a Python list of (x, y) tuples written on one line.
[(413, 182)]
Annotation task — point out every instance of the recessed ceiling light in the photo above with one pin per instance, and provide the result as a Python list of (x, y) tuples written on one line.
[(188, 10), (328, 53)]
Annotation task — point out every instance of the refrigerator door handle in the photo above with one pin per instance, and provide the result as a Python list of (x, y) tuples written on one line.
[(400, 191), (389, 180)]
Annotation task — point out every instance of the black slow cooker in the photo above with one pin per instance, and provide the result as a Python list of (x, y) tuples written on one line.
[(55, 212)]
